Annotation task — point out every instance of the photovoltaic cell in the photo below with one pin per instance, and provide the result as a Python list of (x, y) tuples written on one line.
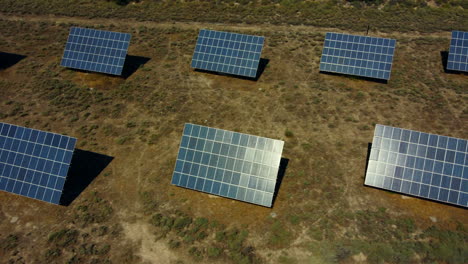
[(34, 163), (458, 53), (96, 50), (358, 55), (420, 164), (229, 164), (227, 52)]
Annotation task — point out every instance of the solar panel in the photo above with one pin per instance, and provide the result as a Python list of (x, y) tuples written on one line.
[(34, 163), (227, 52), (458, 53), (420, 164), (229, 164), (96, 50), (358, 55)]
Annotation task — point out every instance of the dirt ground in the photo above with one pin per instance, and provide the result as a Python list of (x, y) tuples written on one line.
[(325, 120)]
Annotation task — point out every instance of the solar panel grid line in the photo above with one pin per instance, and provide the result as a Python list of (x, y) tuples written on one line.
[(214, 166), (226, 52), (421, 164), (224, 67), (458, 52), (39, 175), (358, 55), (212, 162), (418, 193), (96, 50)]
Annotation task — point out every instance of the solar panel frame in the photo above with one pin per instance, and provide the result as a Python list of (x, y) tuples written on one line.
[(358, 55), (420, 164), (458, 53), (34, 163), (96, 50), (226, 52), (229, 164)]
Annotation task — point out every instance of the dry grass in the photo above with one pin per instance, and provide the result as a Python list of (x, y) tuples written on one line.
[(322, 209)]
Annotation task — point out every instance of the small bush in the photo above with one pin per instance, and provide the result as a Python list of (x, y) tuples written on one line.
[(288, 133), (214, 252), (52, 253), (64, 237), (182, 223), (10, 242), (173, 244)]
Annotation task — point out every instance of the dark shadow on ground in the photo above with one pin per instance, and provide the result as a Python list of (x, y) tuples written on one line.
[(85, 166), (444, 58), (356, 77), (132, 64), (369, 148), (9, 59), (281, 172), (261, 68)]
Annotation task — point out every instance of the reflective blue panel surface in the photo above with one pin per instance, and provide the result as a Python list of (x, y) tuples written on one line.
[(34, 163), (227, 52), (358, 55), (458, 52), (420, 164), (229, 164), (96, 50)]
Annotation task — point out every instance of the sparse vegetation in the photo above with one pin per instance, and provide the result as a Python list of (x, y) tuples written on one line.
[(321, 208)]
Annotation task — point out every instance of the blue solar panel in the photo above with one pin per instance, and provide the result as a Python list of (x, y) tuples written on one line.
[(34, 163), (358, 55), (420, 164), (229, 164), (96, 50), (227, 52), (458, 53)]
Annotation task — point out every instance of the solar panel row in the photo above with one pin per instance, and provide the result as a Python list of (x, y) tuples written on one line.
[(227, 52), (229, 164), (34, 163), (358, 55), (458, 52), (420, 164), (96, 50)]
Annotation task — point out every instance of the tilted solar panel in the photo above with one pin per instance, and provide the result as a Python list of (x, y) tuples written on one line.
[(358, 55), (96, 50), (420, 164), (227, 52), (458, 53), (229, 164), (34, 163)]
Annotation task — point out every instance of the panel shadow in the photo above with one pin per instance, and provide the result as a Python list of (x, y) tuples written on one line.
[(85, 166), (132, 64), (369, 148), (261, 68), (9, 59), (444, 58), (281, 172), (356, 77)]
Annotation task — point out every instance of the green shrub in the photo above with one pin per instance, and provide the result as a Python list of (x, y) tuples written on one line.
[(64, 237), (279, 235), (214, 252), (288, 133), (10, 242)]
